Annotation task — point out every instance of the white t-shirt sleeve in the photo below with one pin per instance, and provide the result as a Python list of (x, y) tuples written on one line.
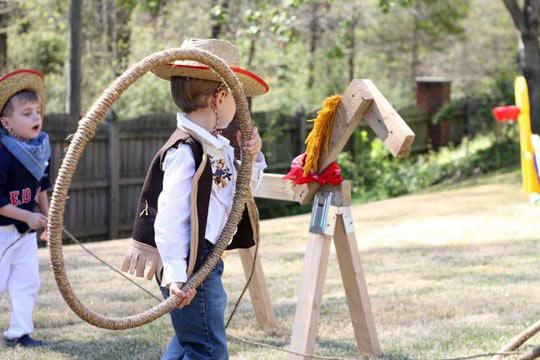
[(173, 219)]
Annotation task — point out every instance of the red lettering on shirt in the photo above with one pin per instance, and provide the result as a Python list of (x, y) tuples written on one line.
[(26, 195), (14, 198)]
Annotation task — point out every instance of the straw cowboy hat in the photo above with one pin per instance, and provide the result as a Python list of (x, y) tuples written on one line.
[(19, 80), (253, 84)]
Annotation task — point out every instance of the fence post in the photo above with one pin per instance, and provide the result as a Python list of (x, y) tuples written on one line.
[(114, 174)]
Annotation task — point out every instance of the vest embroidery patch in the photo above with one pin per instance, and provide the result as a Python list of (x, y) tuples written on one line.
[(221, 173)]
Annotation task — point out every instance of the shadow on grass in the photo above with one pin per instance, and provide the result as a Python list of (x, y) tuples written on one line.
[(115, 348), (394, 356)]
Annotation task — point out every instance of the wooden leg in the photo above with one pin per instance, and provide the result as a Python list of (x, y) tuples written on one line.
[(260, 298), (355, 286), (308, 308)]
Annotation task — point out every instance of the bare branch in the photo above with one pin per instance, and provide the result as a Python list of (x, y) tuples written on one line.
[(516, 13)]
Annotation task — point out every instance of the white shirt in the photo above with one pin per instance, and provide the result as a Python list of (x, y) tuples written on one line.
[(173, 220)]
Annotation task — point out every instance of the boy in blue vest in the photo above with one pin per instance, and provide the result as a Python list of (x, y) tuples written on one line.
[(24, 180)]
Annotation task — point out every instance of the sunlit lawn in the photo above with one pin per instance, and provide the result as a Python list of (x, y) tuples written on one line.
[(450, 273)]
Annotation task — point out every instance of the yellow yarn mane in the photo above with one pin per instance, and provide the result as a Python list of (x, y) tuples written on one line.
[(319, 137)]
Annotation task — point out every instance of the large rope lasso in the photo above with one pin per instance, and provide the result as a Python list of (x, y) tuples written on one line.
[(86, 131)]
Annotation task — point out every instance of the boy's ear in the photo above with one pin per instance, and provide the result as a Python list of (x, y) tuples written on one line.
[(221, 95), (5, 122)]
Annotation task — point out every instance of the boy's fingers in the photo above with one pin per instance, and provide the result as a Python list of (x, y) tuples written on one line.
[(239, 137), (191, 296), (180, 295)]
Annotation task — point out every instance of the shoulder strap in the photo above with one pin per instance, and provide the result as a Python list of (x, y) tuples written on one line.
[(177, 136)]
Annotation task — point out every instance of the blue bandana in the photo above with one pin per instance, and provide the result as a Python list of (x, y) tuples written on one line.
[(33, 154)]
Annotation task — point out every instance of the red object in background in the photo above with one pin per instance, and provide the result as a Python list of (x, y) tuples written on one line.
[(506, 113)]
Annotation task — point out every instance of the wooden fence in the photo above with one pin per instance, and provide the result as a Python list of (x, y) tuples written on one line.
[(106, 185)]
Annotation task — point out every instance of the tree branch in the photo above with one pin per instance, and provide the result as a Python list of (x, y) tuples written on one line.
[(516, 14), (533, 15)]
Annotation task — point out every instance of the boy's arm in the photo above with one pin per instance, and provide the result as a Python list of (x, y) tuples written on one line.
[(173, 220), (43, 202), (34, 220)]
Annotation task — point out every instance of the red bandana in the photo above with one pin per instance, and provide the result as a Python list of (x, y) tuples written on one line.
[(332, 174)]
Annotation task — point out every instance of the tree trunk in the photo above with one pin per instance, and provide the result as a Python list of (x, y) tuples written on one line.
[(531, 72), (123, 38), (216, 22), (313, 42), (527, 21), (4, 18), (109, 27), (415, 45), (73, 100), (251, 56), (352, 43)]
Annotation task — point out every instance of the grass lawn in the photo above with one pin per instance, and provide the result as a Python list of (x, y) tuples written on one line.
[(451, 272)]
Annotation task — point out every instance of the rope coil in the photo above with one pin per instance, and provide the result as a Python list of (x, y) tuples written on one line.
[(86, 131)]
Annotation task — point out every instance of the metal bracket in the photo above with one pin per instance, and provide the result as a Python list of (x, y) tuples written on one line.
[(323, 214), (348, 221)]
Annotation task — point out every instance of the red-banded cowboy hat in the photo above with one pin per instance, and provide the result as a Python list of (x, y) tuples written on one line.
[(253, 84), (19, 80)]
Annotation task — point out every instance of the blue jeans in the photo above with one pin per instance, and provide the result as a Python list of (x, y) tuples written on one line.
[(199, 328)]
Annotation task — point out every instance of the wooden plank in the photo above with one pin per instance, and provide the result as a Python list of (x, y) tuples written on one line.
[(385, 121), (88, 184), (258, 291), (274, 186), (80, 233), (355, 287), (362, 99), (114, 179), (128, 181), (354, 104), (308, 308)]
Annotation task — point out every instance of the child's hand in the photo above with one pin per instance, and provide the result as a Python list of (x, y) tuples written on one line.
[(36, 220), (253, 146), (185, 298), (44, 235)]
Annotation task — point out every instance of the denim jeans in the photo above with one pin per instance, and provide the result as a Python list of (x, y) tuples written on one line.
[(199, 328)]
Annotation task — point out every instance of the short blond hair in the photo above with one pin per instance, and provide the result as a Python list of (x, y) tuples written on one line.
[(190, 94)]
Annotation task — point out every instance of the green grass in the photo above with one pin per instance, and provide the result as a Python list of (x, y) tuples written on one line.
[(451, 272)]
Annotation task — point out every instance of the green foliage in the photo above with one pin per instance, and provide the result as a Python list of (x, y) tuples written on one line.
[(274, 41), (433, 17), (387, 5), (48, 52), (375, 174), (478, 106)]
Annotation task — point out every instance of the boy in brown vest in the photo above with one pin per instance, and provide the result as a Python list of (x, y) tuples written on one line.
[(187, 197)]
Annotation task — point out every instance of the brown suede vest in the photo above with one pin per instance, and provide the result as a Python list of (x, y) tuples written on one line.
[(142, 259)]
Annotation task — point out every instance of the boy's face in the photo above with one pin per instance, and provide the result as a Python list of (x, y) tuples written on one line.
[(25, 119)]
